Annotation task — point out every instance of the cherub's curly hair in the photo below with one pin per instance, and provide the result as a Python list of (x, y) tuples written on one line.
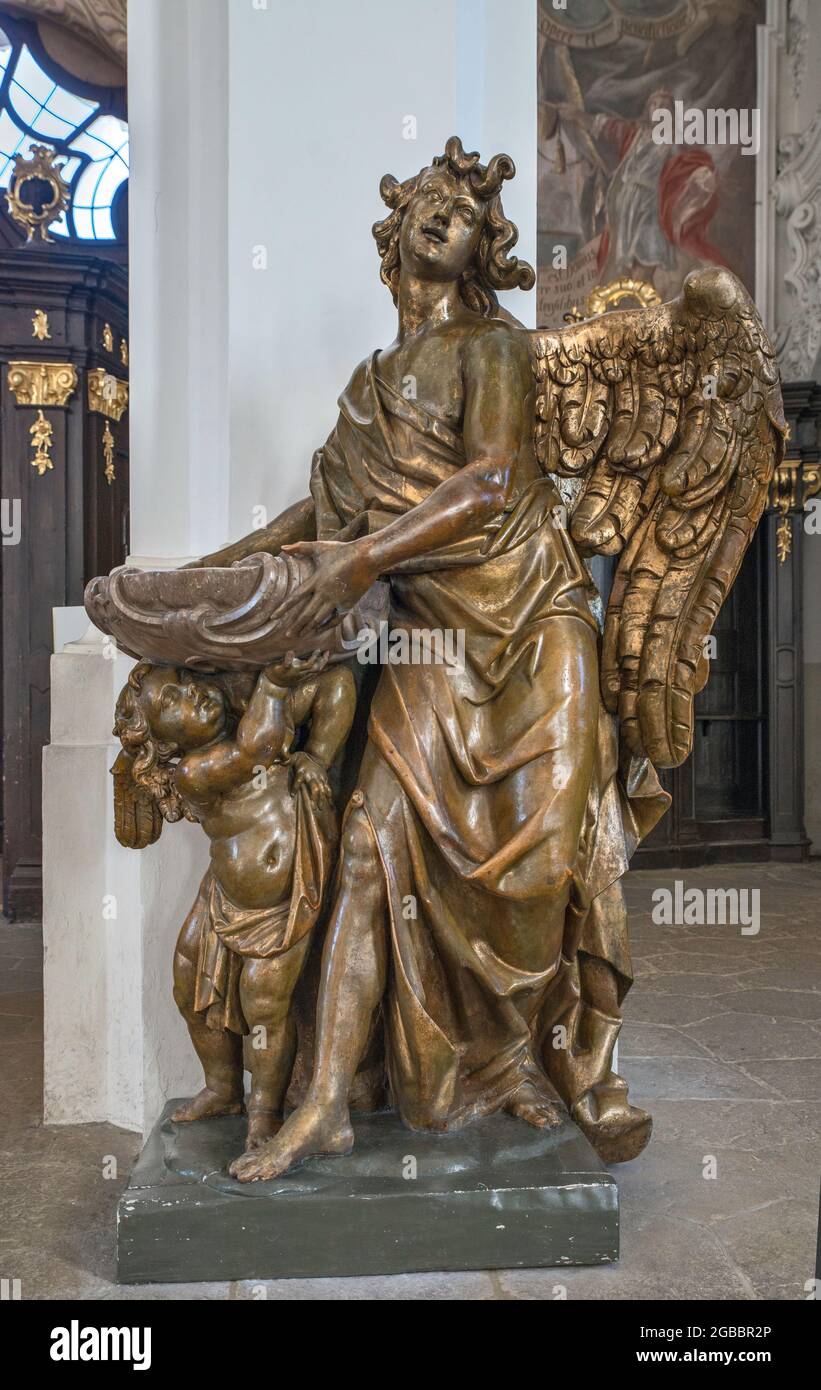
[(153, 766), (492, 268)]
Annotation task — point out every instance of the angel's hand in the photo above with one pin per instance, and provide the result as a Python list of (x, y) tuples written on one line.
[(293, 669), (343, 573), (311, 774)]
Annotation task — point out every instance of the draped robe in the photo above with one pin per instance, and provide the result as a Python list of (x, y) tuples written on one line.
[(492, 789)]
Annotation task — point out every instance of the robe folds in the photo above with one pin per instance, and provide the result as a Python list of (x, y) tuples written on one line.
[(492, 786)]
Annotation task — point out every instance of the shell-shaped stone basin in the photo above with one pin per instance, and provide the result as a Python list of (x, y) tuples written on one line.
[(227, 619)]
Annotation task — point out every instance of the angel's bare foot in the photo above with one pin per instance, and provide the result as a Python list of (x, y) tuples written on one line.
[(206, 1104), (262, 1126), (617, 1130), (529, 1104), (312, 1129)]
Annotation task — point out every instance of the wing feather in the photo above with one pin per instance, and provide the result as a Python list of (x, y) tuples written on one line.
[(137, 818), (672, 419)]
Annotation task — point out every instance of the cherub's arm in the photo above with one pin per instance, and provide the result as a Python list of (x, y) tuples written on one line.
[(328, 702), (203, 775)]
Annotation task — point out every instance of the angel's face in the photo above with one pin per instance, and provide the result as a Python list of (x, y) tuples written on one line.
[(441, 228), (183, 709)]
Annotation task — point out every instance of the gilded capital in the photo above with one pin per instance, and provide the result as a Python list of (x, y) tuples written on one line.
[(107, 394), (42, 383)]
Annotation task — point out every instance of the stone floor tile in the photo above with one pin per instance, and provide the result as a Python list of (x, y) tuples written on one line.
[(658, 1040), (736, 1037), (686, 1078), (774, 1003), (794, 1080)]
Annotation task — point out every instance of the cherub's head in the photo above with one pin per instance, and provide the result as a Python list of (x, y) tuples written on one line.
[(447, 223), (163, 712)]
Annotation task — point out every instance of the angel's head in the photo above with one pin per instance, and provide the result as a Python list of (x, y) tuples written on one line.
[(162, 713), (447, 223)]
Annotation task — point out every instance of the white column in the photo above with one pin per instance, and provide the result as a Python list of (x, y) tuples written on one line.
[(116, 1048), (178, 218), (178, 296)]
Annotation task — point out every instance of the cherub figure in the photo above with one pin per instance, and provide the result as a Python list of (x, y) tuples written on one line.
[(268, 813)]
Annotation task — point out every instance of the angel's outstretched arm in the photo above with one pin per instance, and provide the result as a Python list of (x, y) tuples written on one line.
[(498, 378)]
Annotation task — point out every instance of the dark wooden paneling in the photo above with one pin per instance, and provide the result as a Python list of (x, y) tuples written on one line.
[(72, 520)]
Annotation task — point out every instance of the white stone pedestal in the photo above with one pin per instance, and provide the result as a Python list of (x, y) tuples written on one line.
[(115, 1047)]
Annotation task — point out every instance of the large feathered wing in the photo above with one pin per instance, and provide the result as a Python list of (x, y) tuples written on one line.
[(137, 817), (671, 418)]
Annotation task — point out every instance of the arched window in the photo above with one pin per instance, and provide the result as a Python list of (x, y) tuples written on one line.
[(41, 104)]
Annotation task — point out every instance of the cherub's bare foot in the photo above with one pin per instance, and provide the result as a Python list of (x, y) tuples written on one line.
[(529, 1104), (262, 1126), (205, 1105), (312, 1129)]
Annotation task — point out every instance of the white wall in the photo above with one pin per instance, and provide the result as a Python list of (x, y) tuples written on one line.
[(178, 305), (318, 95)]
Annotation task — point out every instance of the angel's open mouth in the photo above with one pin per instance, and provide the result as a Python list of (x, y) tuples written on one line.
[(435, 233)]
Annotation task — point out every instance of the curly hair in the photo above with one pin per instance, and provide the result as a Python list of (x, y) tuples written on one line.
[(492, 268), (153, 766)]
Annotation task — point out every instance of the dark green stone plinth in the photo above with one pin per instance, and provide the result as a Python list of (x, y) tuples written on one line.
[(497, 1195)]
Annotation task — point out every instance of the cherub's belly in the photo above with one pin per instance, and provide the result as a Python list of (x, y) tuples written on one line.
[(252, 846)]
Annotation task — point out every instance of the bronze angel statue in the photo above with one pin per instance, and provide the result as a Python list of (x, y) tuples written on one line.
[(476, 950)]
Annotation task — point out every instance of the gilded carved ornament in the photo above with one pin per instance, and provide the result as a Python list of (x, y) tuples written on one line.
[(604, 297), (28, 176), (107, 394), (42, 383), (108, 454), (39, 325), (792, 486), (42, 436)]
